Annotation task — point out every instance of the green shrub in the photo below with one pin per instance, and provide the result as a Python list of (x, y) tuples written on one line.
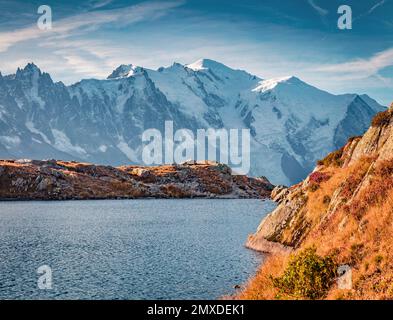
[(307, 275), (378, 259), (313, 187), (333, 159)]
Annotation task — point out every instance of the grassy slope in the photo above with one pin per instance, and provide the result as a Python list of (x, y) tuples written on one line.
[(357, 233)]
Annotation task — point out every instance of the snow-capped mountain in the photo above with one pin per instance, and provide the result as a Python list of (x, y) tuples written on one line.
[(292, 124)]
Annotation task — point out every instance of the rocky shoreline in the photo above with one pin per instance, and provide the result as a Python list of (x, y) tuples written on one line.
[(69, 180)]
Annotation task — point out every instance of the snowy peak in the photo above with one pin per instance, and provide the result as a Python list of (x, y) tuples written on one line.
[(219, 69), (204, 64), (269, 84), (125, 71)]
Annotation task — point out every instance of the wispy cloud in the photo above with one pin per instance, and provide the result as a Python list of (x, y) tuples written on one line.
[(89, 21), (100, 3), (84, 66), (88, 58), (371, 10), (378, 4), (321, 11), (361, 68), (90, 44)]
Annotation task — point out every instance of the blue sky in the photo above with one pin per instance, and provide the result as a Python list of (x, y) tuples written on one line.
[(268, 38)]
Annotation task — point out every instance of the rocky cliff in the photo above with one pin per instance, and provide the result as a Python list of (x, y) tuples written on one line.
[(61, 180), (343, 209)]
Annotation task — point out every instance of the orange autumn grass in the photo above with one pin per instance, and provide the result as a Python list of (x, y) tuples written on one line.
[(358, 233)]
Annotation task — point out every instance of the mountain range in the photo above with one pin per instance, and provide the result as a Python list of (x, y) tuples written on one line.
[(292, 123)]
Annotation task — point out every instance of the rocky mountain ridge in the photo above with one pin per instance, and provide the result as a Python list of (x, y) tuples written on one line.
[(62, 180)]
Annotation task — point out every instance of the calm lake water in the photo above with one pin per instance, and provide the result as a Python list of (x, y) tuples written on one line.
[(128, 249)]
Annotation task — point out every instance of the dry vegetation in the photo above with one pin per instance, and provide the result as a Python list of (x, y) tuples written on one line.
[(357, 233), (382, 118), (332, 159)]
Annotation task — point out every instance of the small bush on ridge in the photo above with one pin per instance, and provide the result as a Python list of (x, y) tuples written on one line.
[(382, 118), (307, 275), (333, 159)]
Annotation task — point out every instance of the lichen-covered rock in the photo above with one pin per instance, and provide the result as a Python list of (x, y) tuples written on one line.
[(378, 139), (279, 193), (270, 233)]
